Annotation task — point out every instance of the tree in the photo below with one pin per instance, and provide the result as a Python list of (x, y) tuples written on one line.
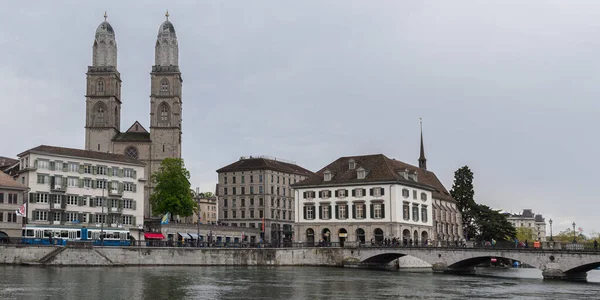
[(172, 192), (206, 194), (462, 191), (524, 233), (491, 224)]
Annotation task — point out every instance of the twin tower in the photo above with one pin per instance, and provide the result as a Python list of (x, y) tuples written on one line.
[(103, 103)]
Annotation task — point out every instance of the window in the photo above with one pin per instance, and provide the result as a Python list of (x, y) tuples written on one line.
[(41, 198), (243, 190), (261, 214), (251, 190), (233, 179), (377, 213), (233, 190), (126, 172), (57, 217), (327, 176), (325, 194), (225, 214), (342, 213), (100, 218), (415, 195), (42, 179), (283, 203), (73, 167), (260, 178), (71, 217), (234, 214), (377, 192), (243, 179), (424, 213), (100, 85), (73, 182), (423, 196), (128, 220), (99, 116), (351, 164), (341, 193), (361, 173), (260, 190), (131, 152), (252, 213), (127, 186), (127, 204), (101, 170), (325, 215), (164, 85), (72, 200), (224, 202), (243, 212), (87, 169), (251, 179), (224, 179), (406, 211), (41, 216), (225, 191), (251, 201), (358, 192), (405, 193), (43, 164), (261, 202), (87, 183), (243, 204), (310, 212), (415, 212), (360, 211), (101, 184)]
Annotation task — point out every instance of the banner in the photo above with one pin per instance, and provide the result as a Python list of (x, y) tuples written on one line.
[(165, 219), (22, 211)]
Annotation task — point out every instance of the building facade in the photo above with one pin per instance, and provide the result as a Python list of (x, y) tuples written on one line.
[(12, 195), (208, 211), (364, 199), (256, 192), (529, 219), (71, 186), (103, 104)]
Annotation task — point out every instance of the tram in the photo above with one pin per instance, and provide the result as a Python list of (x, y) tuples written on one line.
[(59, 235)]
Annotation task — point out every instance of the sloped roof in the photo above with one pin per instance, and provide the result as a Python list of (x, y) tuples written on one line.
[(140, 137), (45, 149), (249, 164), (7, 181), (136, 127), (7, 161), (379, 168)]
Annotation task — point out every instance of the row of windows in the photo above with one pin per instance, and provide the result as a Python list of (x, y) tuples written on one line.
[(63, 182), (274, 202), (11, 198), (75, 217), (275, 214), (252, 190), (359, 192), (82, 200), (341, 212), (84, 168), (11, 217), (415, 212), (251, 179)]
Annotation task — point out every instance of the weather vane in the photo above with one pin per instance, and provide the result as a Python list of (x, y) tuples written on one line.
[(105, 16)]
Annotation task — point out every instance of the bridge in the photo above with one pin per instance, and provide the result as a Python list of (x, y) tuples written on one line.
[(554, 264)]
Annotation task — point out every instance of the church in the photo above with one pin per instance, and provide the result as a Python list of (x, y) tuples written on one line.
[(103, 103)]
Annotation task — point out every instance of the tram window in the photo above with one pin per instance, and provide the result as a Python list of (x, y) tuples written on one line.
[(23, 233), (78, 234), (64, 234), (56, 234), (30, 232), (47, 233), (89, 235)]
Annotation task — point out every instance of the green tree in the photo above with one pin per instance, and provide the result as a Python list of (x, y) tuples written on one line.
[(462, 191), (524, 233), (491, 224), (206, 194), (172, 193)]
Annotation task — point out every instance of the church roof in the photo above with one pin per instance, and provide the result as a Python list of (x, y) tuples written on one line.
[(137, 127), (105, 29), (140, 137), (167, 29), (52, 150)]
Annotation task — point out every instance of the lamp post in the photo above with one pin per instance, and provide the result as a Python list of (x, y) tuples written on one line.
[(198, 237), (574, 239), (551, 239)]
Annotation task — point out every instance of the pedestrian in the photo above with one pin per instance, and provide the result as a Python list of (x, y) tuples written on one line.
[(372, 242), (595, 245), (526, 244), (493, 243)]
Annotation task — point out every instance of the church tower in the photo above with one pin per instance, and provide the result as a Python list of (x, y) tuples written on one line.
[(165, 97), (103, 92)]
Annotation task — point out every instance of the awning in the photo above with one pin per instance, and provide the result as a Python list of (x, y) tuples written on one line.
[(193, 235), (153, 235), (184, 235)]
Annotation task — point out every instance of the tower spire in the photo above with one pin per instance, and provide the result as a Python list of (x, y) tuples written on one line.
[(422, 159), (167, 15), (105, 16)]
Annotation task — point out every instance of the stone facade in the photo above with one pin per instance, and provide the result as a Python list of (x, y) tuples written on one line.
[(103, 104), (529, 219), (12, 196), (256, 192)]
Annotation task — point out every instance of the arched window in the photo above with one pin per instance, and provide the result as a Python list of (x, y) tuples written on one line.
[(99, 114), (164, 85), (101, 85), (164, 111), (131, 152)]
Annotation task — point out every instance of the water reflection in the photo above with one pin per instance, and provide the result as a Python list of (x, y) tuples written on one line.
[(280, 283)]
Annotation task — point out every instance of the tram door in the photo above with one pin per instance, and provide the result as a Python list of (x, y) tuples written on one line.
[(72, 235)]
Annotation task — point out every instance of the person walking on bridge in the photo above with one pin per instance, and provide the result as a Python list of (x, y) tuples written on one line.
[(595, 245)]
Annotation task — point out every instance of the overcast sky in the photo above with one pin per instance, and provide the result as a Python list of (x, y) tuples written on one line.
[(509, 88)]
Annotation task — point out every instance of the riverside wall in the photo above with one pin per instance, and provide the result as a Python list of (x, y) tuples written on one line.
[(141, 256)]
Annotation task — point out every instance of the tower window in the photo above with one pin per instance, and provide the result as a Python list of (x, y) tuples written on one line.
[(164, 113), (99, 114), (131, 152), (164, 85), (100, 85)]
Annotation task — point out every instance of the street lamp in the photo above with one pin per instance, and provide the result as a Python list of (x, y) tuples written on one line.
[(551, 239), (574, 239)]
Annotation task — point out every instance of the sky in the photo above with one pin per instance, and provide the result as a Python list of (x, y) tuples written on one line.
[(508, 88)]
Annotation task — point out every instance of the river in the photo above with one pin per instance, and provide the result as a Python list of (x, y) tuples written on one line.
[(19, 282)]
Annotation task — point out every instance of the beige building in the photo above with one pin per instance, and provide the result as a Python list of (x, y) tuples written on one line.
[(208, 211), (103, 104), (12, 195), (529, 219), (256, 192)]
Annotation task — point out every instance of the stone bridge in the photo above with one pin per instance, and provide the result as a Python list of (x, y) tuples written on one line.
[(555, 264)]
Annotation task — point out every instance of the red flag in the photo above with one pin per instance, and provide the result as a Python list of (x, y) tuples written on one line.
[(263, 224)]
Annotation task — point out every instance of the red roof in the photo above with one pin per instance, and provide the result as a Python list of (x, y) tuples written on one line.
[(153, 235)]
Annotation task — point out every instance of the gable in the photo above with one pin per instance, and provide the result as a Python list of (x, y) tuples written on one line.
[(137, 127)]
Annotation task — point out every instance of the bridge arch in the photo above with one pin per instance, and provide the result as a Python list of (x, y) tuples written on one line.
[(584, 268)]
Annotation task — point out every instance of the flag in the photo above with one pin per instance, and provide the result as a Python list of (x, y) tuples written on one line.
[(165, 219), (22, 210), (263, 224)]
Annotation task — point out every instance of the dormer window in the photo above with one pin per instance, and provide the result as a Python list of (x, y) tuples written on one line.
[(361, 173), (414, 176), (327, 175), (351, 164), (404, 174)]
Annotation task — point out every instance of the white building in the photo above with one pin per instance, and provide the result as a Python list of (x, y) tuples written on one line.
[(72, 186), (529, 219), (366, 198)]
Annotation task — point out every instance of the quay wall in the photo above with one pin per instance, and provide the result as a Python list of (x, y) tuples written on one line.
[(141, 256)]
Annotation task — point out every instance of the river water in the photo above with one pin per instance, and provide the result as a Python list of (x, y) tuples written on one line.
[(19, 282)]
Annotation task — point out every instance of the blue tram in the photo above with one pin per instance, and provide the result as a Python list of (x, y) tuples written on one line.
[(59, 235)]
